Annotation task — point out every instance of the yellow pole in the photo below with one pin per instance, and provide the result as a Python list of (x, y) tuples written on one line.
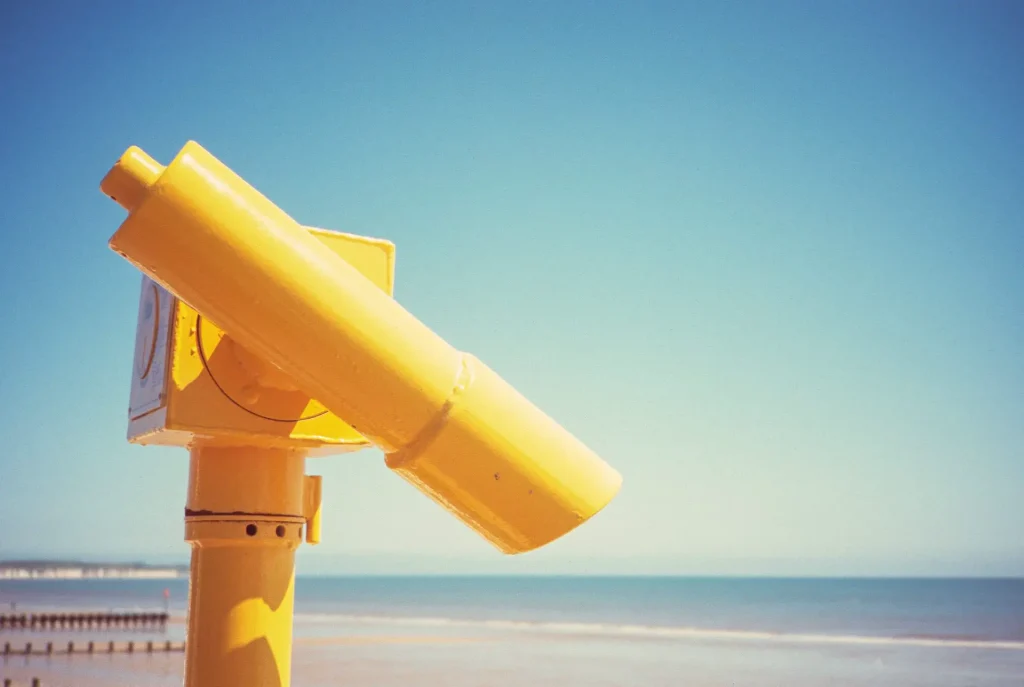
[(244, 519)]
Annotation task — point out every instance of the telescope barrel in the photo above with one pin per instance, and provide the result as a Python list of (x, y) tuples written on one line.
[(446, 422)]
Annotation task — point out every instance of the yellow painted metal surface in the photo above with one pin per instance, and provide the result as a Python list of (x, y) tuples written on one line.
[(217, 390), (447, 423), (504, 466), (313, 505), (244, 519)]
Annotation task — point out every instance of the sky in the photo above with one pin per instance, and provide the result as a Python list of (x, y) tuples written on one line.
[(765, 258)]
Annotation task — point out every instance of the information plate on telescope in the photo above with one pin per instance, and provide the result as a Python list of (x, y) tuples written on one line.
[(152, 343)]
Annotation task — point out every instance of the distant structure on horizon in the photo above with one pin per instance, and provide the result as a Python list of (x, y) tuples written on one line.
[(74, 570)]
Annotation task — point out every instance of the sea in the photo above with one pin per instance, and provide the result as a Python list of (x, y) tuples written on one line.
[(593, 631)]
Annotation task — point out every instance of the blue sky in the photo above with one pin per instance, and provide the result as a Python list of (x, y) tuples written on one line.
[(765, 258)]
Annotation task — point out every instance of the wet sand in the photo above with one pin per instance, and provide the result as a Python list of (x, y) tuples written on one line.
[(364, 655), (316, 661)]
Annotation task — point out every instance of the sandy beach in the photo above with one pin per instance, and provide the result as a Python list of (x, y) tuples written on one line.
[(383, 655), (609, 632)]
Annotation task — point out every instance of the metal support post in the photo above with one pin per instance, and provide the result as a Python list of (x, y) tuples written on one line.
[(246, 511)]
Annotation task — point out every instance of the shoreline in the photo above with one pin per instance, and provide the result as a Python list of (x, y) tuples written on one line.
[(634, 632)]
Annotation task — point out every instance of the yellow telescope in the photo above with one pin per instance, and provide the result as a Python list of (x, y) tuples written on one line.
[(261, 342)]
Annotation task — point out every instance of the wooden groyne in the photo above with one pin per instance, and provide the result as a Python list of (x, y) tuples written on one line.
[(71, 648), (83, 621), (32, 682)]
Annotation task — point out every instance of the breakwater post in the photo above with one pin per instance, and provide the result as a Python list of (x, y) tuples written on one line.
[(79, 621)]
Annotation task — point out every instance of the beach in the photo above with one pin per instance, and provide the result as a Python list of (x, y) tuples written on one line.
[(566, 631)]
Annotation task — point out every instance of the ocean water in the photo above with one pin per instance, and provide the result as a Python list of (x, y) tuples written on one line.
[(590, 631)]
